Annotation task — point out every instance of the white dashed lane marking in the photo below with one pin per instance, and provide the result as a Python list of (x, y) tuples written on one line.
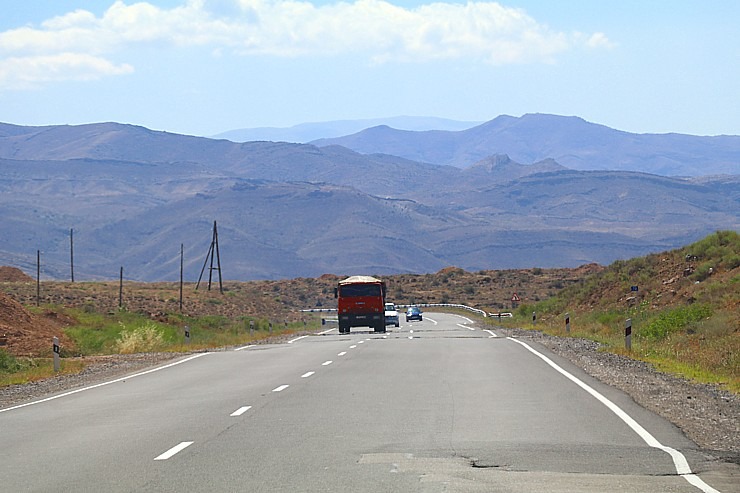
[(174, 450), (241, 411)]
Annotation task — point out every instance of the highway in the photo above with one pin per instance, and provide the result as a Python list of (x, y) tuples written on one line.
[(441, 405)]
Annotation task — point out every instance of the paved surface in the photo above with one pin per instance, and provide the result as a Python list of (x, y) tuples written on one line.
[(431, 406)]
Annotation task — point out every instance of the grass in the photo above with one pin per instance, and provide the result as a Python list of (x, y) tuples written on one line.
[(16, 371), (123, 332), (694, 353)]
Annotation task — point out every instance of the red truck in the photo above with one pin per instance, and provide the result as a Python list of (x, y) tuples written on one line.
[(360, 303)]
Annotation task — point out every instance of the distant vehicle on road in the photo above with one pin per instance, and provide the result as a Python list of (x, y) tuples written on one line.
[(413, 313), (360, 303), (391, 315)]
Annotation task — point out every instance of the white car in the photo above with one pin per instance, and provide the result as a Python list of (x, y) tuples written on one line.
[(391, 314)]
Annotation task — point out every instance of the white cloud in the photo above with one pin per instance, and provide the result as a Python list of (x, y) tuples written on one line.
[(372, 29), (599, 40), (32, 71)]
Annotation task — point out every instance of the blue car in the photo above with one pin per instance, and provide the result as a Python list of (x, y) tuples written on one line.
[(413, 313)]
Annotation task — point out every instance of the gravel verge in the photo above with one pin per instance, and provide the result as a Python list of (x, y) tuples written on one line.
[(708, 415)]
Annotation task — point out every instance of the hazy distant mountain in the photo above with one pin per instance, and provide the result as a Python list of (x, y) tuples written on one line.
[(133, 196), (571, 141), (306, 132)]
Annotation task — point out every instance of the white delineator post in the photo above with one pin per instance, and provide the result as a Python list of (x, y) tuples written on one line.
[(55, 350)]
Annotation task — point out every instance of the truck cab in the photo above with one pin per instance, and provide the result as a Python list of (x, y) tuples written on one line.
[(361, 303)]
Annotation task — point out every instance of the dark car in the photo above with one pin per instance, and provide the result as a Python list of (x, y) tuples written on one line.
[(413, 313)]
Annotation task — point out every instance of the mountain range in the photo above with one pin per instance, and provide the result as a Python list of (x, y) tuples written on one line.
[(306, 132), (571, 141), (133, 196)]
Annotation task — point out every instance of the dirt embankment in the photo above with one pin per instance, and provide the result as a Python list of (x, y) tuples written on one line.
[(25, 334), (13, 274)]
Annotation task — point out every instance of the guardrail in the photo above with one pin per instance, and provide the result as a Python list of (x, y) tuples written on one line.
[(500, 314)]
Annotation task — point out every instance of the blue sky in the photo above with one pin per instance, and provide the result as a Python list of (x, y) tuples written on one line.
[(202, 67)]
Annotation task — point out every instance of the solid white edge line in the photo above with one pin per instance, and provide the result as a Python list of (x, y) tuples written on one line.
[(679, 460), (307, 374), (325, 332), (491, 332), (465, 327), (281, 388), (297, 339), (177, 448), (244, 347), (241, 411), (65, 394)]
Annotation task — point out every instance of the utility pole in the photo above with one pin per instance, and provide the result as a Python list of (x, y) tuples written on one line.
[(72, 254), (213, 254), (181, 265)]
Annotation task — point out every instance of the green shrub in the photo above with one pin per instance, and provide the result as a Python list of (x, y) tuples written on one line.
[(732, 261), (8, 362), (674, 320)]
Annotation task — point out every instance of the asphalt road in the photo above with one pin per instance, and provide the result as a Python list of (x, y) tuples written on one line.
[(434, 406)]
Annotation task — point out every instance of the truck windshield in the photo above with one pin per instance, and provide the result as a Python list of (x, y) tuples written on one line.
[(355, 290)]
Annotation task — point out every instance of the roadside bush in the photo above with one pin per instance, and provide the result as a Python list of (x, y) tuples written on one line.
[(8, 362), (733, 261), (674, 320), (147, 337)]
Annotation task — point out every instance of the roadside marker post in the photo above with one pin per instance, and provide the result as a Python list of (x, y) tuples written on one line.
[(187, 334), (628, 334), (534, 318), (55, 350), (567, 323)]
